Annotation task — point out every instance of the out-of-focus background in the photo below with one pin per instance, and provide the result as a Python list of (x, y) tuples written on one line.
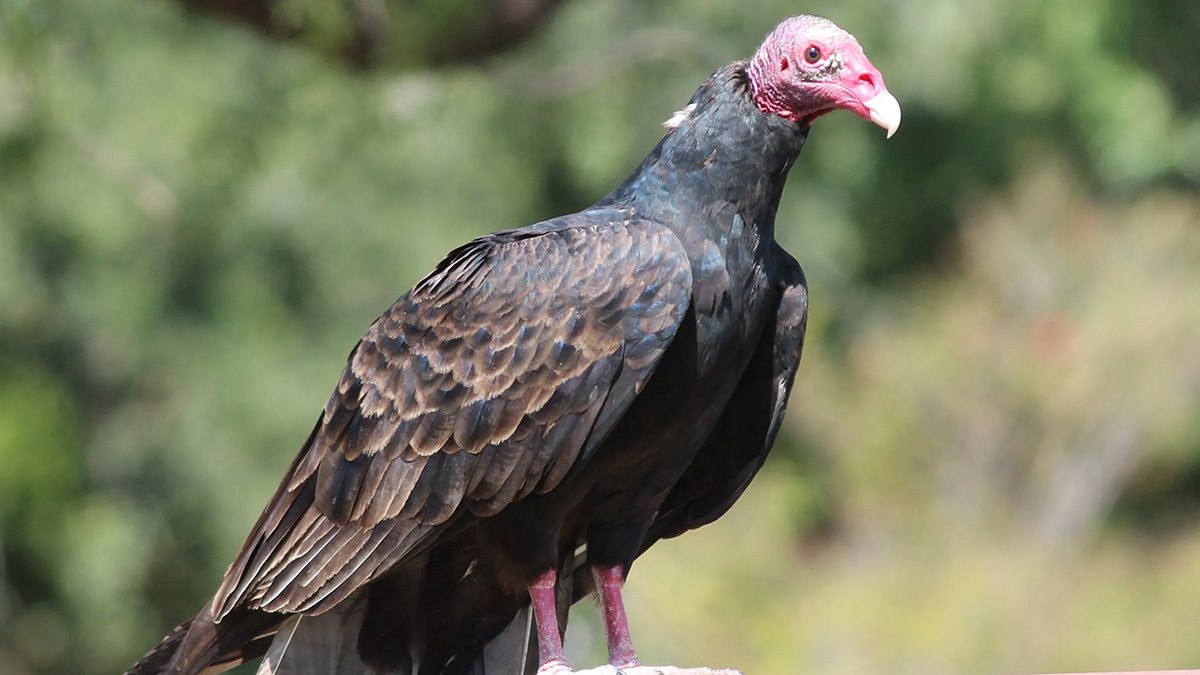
[(992, 462)]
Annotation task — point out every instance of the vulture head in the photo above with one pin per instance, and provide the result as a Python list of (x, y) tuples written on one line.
[(808, 67)]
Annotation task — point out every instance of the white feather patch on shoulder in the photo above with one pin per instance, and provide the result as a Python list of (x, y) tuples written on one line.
[(680, 116)]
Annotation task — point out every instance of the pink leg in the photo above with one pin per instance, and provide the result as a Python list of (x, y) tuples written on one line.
[(620, 645), (545, 612)]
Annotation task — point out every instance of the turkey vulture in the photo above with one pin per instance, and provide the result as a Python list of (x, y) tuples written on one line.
[(548, 402)]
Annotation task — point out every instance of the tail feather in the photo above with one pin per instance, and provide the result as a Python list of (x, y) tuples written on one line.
[(513, 651), (329, 643), (156, 659), (202, 647), (167, 654), (325, 644)]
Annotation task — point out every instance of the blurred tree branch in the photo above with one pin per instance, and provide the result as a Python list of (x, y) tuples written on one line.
[(367, 34), (573, 77)]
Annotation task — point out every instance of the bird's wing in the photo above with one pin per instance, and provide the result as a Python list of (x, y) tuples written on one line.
[(742, 439), (488, 381)]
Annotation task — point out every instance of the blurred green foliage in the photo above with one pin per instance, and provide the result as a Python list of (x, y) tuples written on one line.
[(993, 459)]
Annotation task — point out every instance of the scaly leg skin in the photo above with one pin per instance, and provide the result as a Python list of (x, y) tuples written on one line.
[(616, 625), (552, 661), (622, 659)]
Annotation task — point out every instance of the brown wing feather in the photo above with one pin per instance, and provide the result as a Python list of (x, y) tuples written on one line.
[(475, 389)]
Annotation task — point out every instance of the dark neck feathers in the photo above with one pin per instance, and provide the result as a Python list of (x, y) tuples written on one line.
[(725, 151)]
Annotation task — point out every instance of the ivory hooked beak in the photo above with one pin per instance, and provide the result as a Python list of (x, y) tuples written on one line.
[(885, 111)]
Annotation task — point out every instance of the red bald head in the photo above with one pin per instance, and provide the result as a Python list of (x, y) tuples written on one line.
[(808, 67)]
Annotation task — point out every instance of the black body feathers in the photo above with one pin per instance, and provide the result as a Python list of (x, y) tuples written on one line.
[(574, 390)]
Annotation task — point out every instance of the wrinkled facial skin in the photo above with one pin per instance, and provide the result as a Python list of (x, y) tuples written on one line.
[(809, 67)]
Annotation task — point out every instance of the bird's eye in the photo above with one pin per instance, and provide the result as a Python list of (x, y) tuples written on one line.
[(812, 54)]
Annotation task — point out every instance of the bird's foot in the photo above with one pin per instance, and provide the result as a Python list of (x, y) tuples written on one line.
[(649, 670), (561, 668), (607, 669), (556, 667)]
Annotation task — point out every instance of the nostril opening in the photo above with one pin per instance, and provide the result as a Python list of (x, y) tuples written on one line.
[(867, 79)]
